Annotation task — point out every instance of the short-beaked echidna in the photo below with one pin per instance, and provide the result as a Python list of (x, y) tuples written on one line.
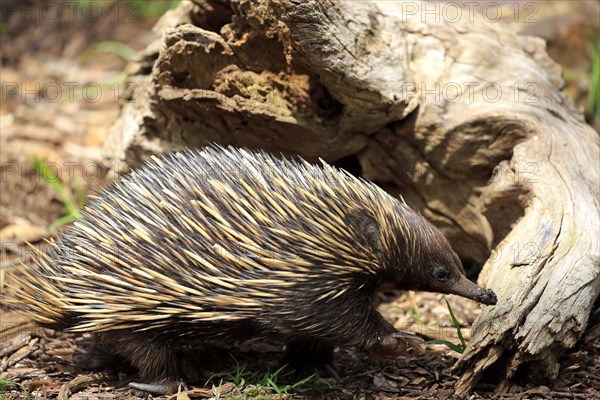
[(200, 244)]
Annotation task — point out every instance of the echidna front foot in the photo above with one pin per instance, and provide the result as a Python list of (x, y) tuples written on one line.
[(393, 345), (152, 355)]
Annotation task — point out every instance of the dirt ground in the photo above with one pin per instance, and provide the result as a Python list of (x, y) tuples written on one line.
[(44, 112)]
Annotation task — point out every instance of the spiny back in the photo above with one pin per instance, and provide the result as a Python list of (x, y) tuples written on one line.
[(208, 235)]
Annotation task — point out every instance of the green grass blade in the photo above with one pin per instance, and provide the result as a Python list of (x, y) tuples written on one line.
[(450, 345), (64, 220), (7, 380), (109, 46), (72, 208), (80, 196), (416, 316), (457, 326), (47, 175)]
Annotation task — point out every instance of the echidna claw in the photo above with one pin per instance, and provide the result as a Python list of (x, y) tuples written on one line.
[(411, 340), (393, 345), (330, 370), (158, 388)]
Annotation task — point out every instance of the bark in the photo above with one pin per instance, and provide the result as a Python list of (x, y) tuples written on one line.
[(465, 119)]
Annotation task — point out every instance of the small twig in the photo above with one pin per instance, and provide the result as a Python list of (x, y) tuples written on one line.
[(11, 349), (82, 382), (551, 395), (12, 330), (556, 394), (34, 345)]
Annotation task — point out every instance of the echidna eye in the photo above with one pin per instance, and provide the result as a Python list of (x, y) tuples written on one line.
[(441, 274)]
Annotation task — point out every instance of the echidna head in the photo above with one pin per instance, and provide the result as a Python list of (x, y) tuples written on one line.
[(434, 266)]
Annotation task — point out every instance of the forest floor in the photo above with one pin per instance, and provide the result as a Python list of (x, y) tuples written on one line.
[(59, 100)]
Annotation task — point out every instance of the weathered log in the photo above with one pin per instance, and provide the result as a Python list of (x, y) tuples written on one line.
[(464, 118)]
